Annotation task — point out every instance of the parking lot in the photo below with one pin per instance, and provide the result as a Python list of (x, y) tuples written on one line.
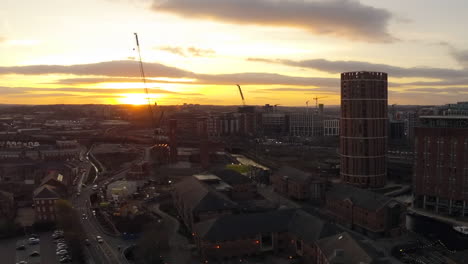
[(46, 248)]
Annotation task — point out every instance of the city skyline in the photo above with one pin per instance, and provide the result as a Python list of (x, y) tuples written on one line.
[(280, 52)]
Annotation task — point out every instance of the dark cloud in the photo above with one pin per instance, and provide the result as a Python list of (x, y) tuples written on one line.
[(153, 70), (451, 90), (265, 79), (346, 66), (300, 90), (343, 18), (40, 95), (190, 51), (461, 56), (105, 92), (124, 68)]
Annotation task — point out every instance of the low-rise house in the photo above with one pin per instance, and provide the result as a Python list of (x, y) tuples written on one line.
[(365, 211)]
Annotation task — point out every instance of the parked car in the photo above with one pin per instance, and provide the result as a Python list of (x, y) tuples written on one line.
[(99, 239), (62, 252), (34, 241), (34, 254), (21, 247)]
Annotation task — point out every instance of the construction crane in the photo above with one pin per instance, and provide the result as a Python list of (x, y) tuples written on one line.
[(307, 106), (316, 101), (241, 94), (143, 78)]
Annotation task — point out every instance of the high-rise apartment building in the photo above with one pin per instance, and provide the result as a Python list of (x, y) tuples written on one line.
[(364, 128), (441, 165)]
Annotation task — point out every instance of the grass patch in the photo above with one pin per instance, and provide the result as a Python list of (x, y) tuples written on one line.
[(239, 168)]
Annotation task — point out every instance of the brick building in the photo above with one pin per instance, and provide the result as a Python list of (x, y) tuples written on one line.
[(290, 231), (45, 198), (242, 188), (297, 184), (7, 205), (370, 213), (363, 128), (441, 165)]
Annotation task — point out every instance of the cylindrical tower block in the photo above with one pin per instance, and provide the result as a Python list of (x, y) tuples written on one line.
[(364, 121)]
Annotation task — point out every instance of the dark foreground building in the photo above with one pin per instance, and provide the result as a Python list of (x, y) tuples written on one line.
[(364, 128), (441, 165)]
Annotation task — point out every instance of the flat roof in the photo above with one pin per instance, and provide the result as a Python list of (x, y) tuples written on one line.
[(445, 117)]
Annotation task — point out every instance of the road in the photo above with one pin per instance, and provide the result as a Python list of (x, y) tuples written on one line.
[(109, 250)]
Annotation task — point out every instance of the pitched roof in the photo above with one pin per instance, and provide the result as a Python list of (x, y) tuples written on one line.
[(343, 249), (293, 173), (310, 228), (232, 177), (230, 227), (200, 197), (46, 192), (360, 197)]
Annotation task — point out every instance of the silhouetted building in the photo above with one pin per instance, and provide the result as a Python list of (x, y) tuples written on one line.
[(367, 212), (298, 184), (363, 137), (289, 231), (305, 124), (7, 205), (331, 127), (441, 164)]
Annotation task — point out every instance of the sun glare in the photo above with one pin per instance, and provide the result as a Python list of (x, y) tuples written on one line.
[(134, 99)]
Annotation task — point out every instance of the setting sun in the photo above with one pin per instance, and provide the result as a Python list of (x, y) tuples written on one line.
[(134, 99)]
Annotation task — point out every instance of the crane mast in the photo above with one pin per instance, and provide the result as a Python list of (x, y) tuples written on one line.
[(143, 78), (241, 94)]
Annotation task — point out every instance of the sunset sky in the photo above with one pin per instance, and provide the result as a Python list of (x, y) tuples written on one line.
[(195, 51)]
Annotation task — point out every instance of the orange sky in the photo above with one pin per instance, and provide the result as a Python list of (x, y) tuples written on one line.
[(281, 52)]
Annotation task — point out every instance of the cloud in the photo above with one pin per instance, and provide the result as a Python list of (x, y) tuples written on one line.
[(252, 78), (2, 39), (129, 69), (190, 51), (346, 66), (71, 91), (124, 68), (343, 18), (445, 90), (197, 52), (461, 56), (332, 90), (41, 95), (174, 50)]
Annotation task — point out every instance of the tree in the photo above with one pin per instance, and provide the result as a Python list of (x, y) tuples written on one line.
[(68, 221), (154, 240)]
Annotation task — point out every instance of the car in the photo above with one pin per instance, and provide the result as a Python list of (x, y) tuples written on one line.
[(21, 247), (62, 252), (87, 242), (99, 239), (65, 259), (78, 194), (60, 244), (34, 241), (95, 187), (62, 247), (34, 254)]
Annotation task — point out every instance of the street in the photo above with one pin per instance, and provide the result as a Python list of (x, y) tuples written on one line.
[(107, 251)]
